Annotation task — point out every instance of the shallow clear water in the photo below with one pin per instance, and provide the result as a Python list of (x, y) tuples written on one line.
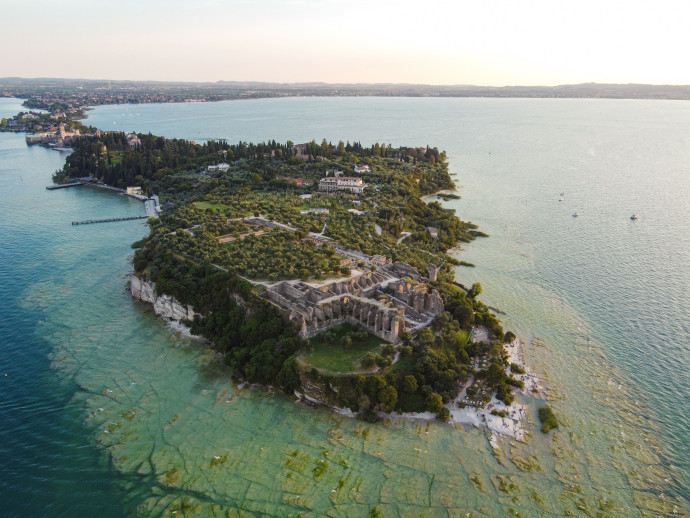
[(105, 408)]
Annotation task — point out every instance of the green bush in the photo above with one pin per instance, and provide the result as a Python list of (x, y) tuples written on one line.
[(547, 418), (434, 403), (516, 369), (443, 415)]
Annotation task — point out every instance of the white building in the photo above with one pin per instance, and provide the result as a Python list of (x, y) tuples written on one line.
[(218, 167), (362, 168), (342, 183), (315, 211)]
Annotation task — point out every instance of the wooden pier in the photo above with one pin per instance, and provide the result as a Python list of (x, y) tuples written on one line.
[(108, 220), (64, 185)]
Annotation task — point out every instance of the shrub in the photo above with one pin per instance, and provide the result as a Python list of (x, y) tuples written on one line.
[(388, 350), (383, 361), (409, 384), (547, 418), (516, 369), (434, 403), (443, 415), (369, 360), (388, 396), (505, 393)]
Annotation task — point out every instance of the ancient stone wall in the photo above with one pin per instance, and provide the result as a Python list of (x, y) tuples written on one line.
[(405, 270), (382, 320), (416, 296), (285, 289), (317, 308)]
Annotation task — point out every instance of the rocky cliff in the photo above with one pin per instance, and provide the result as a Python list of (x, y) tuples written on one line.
[(163, 305)]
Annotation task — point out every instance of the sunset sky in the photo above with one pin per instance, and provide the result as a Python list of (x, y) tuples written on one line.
[(492, 42)]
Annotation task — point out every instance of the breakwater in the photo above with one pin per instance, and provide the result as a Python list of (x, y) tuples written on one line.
[(107, 220), (64, 185)]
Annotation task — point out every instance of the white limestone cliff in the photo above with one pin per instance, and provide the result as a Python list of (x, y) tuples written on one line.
[(163, 305)]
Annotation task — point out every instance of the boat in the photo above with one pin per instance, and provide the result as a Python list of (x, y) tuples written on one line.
[(575, 214), (634, 216)]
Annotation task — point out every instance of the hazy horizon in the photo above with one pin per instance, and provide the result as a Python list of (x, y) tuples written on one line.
[(442, 43), (325, 83)]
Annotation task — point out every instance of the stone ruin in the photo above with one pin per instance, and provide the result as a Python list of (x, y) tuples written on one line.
[(380, 301)]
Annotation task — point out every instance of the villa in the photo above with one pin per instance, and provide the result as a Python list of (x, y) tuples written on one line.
[(342, 183), (218, 167)]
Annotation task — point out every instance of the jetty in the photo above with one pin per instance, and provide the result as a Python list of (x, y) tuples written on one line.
[(64, 185), (108, 220)]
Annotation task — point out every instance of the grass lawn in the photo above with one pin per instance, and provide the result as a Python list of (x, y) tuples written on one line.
[(203, 205), (463, 336), (332, 356), (116, 157), (404, 364)]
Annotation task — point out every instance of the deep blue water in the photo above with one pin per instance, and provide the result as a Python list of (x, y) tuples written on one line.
[(48, 466)]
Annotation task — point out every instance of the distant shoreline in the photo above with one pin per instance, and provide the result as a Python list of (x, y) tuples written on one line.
[(51, 93)]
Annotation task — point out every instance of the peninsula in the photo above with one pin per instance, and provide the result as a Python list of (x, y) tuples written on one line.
[(316, 268)]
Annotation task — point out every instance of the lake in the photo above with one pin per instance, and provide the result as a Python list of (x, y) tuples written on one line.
[(105, 410)]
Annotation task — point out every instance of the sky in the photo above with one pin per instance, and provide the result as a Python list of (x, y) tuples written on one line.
[(479, 42)]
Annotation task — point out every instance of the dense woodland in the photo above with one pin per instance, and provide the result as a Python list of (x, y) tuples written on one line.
[(248, 331), (111, 159)]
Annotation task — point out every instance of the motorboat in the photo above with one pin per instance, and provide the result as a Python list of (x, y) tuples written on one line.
[(634, 216), (575, 214)]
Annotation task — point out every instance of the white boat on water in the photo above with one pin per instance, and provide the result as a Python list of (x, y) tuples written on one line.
[(575, 214)]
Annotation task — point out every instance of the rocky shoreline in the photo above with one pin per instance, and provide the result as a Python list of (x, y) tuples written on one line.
[(164, 306)]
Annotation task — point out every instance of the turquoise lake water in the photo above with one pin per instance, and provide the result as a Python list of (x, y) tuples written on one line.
[(106, 411)]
